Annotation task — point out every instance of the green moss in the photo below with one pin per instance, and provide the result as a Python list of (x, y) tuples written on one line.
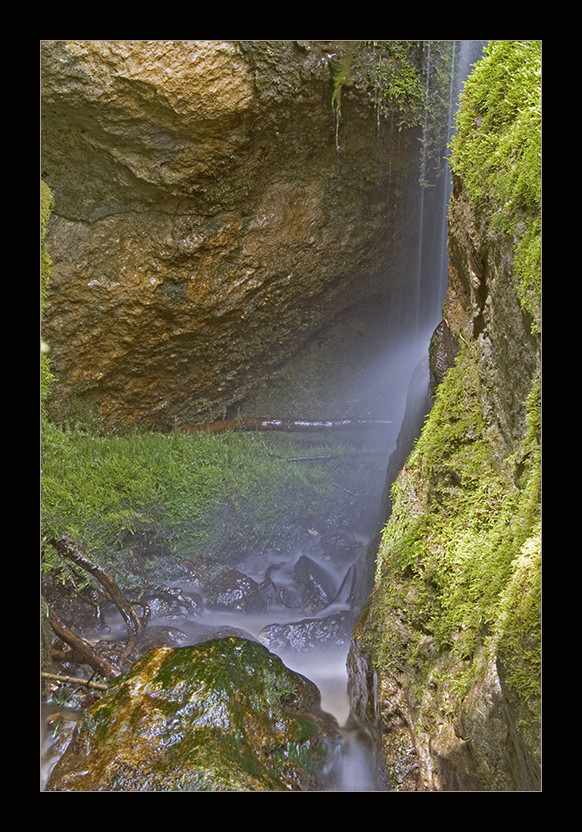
[(396, 78), (223, 715), (201, 494), (461, 551), (497, 148), (497, 153), (341, 77), (461, 519)]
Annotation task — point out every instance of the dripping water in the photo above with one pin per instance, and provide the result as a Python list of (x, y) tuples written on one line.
[(442, 260), (431, 250), (464, 54)]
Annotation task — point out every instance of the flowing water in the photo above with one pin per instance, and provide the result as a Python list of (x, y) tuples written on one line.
[(316, 643)]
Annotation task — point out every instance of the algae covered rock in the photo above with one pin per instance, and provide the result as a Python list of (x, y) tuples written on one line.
[(222, 715)]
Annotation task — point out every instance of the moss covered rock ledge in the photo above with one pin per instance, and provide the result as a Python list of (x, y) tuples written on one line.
[(445, 662)]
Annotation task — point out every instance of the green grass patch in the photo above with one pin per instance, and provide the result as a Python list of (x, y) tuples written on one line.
[(217, 496)]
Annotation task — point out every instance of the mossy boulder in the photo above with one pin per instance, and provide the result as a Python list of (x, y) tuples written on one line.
[(223, 715)]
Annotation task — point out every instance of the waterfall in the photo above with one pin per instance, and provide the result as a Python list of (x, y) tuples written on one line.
[(442, 261), (425, 265), (422, 182), (431, 263), (469, 52), (307, 617)]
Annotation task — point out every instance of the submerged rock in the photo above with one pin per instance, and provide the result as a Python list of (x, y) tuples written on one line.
[(316, 586), (159, 636), (171, 602), (224, 715), (235, 592), (310, 633)]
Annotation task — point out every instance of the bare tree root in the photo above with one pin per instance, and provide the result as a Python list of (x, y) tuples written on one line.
[(75, 680), (83, 649), (70, 550)]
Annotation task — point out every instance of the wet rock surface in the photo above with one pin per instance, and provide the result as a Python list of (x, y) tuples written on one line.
[(333, 630), (225, 715), (270, 611), (201, 203), (236, 592)]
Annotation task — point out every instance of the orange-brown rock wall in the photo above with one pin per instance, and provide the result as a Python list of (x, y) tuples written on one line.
[(206, 222)]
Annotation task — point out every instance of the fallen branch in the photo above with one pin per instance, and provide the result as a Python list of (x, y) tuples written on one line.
[(328, 456), (286, 425), (66, 546), (337, 485), (83, 649), (74, 680)]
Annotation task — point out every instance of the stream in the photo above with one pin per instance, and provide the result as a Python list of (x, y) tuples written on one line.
[(302, 606), (325, 665)]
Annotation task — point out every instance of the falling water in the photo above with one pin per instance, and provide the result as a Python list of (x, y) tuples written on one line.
[(431, 256), (464, 54), (403, 371), (442, 259), (422, 182)]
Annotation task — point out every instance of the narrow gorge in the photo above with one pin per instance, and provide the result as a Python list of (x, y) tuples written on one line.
[(291, 465)]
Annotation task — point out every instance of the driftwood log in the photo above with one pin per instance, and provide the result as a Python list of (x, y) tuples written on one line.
[(287, 425)]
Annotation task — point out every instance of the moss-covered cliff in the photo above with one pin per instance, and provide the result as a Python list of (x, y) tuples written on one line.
[(446, 657)]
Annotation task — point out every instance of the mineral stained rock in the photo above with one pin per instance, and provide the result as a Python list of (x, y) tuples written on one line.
[(206, 222)]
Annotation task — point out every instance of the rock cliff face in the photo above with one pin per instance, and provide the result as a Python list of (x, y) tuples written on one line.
[(219, 203), (446, 656), (213, 209)]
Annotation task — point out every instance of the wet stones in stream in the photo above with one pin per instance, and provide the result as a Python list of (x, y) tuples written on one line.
[(302, 586), (171, 603), (303, 604), (305, 586), (237, 592), (223, 715), (309, 634)]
